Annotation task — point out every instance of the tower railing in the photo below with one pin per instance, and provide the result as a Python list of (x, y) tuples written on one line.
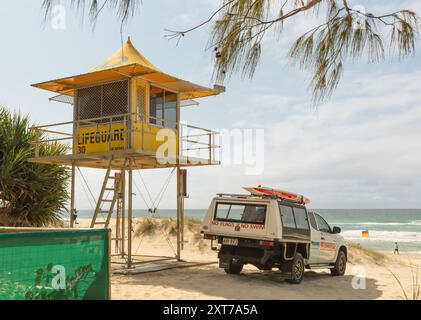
[(193, 142)]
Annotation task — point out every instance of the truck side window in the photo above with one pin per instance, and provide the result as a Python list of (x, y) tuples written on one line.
[(287, 216), (312, 220), (301, 219), (322, 224)]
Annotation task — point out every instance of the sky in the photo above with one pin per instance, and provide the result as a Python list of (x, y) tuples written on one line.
[(360, 149)]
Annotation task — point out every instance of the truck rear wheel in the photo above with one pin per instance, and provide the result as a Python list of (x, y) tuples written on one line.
[(234, 268), (295, 269), (340, 265)]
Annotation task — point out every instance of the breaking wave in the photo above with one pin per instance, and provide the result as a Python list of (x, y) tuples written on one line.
[(410, 223), (389, 236)]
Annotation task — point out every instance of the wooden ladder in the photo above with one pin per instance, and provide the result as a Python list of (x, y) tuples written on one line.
[(103, 200)]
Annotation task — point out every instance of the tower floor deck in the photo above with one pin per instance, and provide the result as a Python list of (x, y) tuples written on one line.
[(140, 160)]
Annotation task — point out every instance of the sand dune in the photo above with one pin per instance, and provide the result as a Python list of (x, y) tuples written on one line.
[(210, 282)]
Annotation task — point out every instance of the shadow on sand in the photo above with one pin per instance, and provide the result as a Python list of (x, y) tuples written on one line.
[(212, 282)]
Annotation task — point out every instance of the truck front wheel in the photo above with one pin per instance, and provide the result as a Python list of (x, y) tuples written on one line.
[(295, 269), (234, 268), (340, 265)]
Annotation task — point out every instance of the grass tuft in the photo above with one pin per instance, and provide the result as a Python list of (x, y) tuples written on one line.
[(146, 226), (152, 226), (356, 252)]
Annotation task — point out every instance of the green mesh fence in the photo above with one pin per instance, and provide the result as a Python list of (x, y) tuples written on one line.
[(54, 265)]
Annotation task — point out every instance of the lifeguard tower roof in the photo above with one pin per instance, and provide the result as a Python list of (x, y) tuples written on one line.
[(121, 109), (128, 61)]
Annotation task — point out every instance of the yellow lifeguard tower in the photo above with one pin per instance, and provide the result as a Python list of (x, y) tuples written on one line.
[(126, 116)]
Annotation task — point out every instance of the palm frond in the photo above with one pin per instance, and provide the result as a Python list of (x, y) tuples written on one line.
[(31, 194)]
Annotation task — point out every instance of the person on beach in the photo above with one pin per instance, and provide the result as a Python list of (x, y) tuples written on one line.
[(74, 213), (396, 251)]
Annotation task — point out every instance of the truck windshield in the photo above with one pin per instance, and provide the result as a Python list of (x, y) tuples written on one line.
[(246, 213)]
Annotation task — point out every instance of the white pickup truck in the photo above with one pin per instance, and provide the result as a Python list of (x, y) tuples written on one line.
[(270, 232)]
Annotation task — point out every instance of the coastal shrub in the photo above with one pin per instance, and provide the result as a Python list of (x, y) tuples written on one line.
[(356, 251), (193, 224), (169, 225), (151, 226), (145, 227), (31, 195)]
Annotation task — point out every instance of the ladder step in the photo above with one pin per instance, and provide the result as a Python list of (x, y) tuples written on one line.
[(108, 212)]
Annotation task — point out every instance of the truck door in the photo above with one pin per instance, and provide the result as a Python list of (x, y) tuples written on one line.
[(323, 244), (315, 256)]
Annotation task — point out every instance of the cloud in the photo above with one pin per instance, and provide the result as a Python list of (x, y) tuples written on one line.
[(190, 13), (361, 141), (360, 150)]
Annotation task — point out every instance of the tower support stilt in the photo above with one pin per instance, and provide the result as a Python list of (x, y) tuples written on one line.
[(130, 217), (180, 213)]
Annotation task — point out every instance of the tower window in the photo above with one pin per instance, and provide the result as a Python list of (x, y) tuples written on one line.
[(163, 108)]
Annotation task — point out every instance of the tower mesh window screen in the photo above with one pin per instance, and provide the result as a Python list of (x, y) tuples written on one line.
[(89, 103), (101, 101)]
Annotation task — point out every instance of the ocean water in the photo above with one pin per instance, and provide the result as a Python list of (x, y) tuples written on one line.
[(385, 226)]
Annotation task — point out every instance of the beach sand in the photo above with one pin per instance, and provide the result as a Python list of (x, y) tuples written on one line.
[(209, 282)]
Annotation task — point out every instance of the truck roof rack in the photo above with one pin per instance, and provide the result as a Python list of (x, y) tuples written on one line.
[(233, 195), (242, 195)]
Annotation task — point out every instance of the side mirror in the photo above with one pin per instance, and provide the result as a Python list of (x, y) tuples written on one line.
[(336, 230)]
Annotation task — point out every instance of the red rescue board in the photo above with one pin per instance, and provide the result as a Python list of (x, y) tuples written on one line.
[(264, 191)]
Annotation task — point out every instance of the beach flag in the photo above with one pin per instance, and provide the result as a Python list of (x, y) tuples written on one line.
[(364, 233)]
